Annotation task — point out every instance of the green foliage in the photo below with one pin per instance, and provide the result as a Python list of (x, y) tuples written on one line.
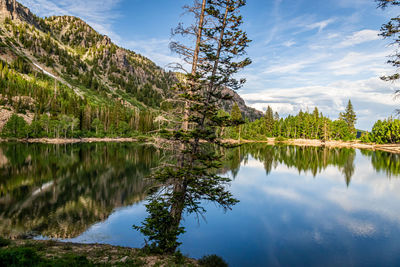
[(28, 256), (236, 114), (157, 227), (304, 125), (384, 132), (4, 242), (15, 127), (212, 261), (391, 30), (70, 115), (19, 257), (385, 162), (280, 139), (138, 81), (186, 184), (341, 131), (269, 121), (349, 116)]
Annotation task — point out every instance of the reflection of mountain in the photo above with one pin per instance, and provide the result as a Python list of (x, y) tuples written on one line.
[(59, 191), (388, 163), (304, 159)]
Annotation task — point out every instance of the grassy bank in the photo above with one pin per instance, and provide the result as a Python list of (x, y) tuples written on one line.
[(52, 253)]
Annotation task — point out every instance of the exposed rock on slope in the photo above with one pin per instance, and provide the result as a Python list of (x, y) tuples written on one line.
[(15, 11)]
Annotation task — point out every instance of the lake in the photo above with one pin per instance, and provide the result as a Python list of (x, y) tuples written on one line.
[(298, 206)]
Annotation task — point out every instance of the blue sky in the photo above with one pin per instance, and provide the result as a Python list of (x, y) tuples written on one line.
[(305, 53)]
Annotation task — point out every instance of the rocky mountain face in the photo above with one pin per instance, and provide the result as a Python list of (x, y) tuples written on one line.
[(68, 49), (248, 112), (15, 11)]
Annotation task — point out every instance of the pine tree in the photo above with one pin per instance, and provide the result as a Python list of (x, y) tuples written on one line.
[(237, 118), (269, 121), (15, 127), (193, 179), (349, 116), (236, 114), (391, 30)]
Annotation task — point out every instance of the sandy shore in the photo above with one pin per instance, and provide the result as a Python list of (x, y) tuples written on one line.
[(332, 144)]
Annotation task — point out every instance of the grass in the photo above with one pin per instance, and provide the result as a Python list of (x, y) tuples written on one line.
[(212, 261), (28, 256), (52, 253)]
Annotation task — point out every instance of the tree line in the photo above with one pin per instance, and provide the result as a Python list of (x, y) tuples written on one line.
[(304, 125)]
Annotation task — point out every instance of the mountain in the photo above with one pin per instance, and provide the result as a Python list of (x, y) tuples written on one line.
[(60, 66)]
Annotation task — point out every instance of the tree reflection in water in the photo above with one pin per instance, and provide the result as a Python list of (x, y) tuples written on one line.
[(304, 159), (59, 191)]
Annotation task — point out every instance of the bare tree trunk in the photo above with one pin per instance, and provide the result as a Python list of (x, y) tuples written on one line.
[(180, 186), (185, 126)]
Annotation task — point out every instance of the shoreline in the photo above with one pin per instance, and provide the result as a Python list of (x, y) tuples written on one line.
[(97, 254), (62, 141), (392, 148)]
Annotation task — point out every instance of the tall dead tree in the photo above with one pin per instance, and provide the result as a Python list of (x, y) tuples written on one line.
[(217, 55)]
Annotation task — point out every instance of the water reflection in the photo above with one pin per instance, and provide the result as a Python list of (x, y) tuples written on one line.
[(305, 160), (59, 191), (298, 205), (384, 162)]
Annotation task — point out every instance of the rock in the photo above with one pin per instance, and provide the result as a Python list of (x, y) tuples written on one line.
[(124, 259), (15, 11)]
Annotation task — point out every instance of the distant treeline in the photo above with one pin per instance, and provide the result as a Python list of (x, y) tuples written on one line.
[(303, 125), (384, 132), (313, 126)]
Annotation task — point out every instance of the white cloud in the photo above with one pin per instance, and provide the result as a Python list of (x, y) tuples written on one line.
[(155, 49), (356, 62), (360, 37), (321, 25), (289, 43), (330, 99), (281, 108), (298, 65), (294, 67)]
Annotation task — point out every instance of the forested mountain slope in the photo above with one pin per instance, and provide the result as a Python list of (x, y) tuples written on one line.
[(59, 68)]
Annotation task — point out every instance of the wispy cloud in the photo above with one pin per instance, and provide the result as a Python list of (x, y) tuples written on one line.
[(360, 37), (355, 62), (155, 49), (320, 25), (289, 43)]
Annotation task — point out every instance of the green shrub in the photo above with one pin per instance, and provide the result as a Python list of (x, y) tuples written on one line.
[(280, 139), (365, 138), (19, 257), (15, 127), (212, 261), (4, 242), (28, 256)]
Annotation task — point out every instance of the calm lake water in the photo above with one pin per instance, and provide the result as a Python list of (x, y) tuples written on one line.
[(298, 206)]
